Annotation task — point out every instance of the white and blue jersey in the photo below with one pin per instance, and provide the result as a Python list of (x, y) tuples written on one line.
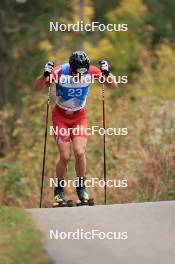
[(71, 92)]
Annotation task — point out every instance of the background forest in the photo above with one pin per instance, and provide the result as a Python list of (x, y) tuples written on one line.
[(145, 105)]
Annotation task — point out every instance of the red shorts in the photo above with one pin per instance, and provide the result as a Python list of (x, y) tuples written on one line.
[(67, 126)]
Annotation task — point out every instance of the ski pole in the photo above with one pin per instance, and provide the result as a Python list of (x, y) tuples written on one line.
[(45, 145), (104, 140), (104, 144)]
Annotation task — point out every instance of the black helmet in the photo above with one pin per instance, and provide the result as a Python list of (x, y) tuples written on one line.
[(79, 59)]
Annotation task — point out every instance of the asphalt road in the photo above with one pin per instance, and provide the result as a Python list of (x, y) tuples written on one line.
[(148, 227)]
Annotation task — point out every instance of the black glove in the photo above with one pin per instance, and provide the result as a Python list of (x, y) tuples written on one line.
[(104, 67), (48, 68)]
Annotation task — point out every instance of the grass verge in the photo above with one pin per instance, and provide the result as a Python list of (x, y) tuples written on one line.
[(20, 242)]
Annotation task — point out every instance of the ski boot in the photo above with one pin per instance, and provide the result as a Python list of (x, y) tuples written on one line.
[(82, 194), (59, 196)]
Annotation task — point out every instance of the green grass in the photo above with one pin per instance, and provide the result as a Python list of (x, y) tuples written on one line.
[(20, 242)]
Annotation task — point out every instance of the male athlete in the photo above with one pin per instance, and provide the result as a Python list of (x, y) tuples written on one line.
[(69, 112)]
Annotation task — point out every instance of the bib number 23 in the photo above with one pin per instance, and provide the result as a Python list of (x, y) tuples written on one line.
[(74, 92)]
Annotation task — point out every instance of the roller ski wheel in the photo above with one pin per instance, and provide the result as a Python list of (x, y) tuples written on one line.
[(70, 203)]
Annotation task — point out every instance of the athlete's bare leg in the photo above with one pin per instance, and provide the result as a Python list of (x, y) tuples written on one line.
[(79, 148), (65, 154)]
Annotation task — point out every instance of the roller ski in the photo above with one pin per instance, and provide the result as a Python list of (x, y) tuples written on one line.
[(68, 203)]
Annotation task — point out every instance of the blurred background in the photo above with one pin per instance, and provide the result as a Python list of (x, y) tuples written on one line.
[(146, 106)]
